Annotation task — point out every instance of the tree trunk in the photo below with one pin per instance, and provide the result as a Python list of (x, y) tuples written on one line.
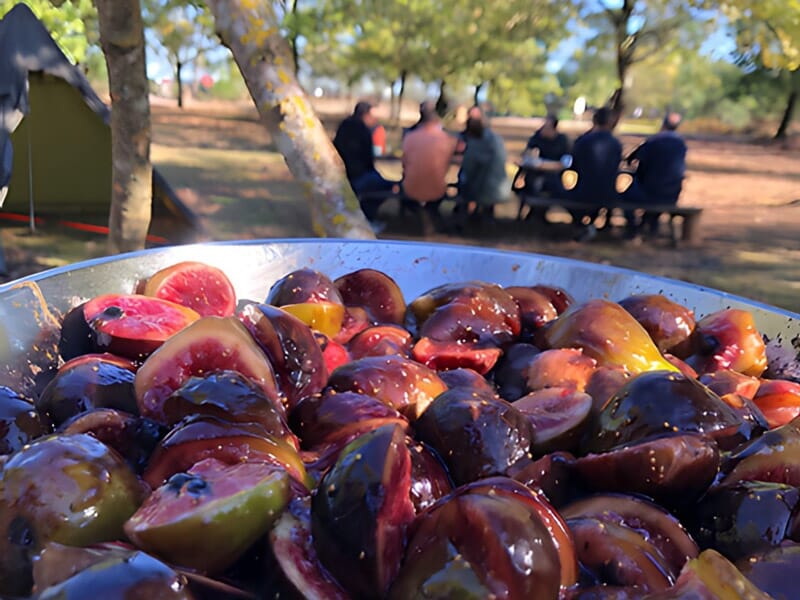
[(122, 40), (475, 97), (179, 81), (293, 40), (400, 92), (788, 111), (251, 31), (441, 101)]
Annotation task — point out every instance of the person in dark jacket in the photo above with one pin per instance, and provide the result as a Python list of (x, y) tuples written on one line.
[(353, 141), (659, 175), (547, 143), (596, 156)]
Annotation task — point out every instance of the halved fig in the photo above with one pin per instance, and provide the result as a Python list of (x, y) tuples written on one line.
[(444, 355), (605, 383), (559, 417), (374, 291), (209, 516), (562, 367), (467, 378), (20, 423), (671, 325), (381, 340), (619, 555), (210, 344), (331, 417), (559, 298), (334, 354), (727, 381), (609, 334), (728, 339), (510, 374), (402, 383), (290, 347), (361, 511), (87, 382), (659, 403), (325, 317), (477, 435), (778, 400), (303, 285), (654, 523), (744, 518), (535, 309), (199, 286), (429, 478), (767, 570), (229, 396), (132, 325), (675, 469), (207, 437), (773, 456), (132, 437)]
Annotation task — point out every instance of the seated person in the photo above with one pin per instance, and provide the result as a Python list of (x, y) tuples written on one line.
[(353, 141), (659, 175), (596, 156), (427, 152), (482, 179)]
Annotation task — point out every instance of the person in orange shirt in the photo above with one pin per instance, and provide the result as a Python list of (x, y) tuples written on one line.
[(427, 153)]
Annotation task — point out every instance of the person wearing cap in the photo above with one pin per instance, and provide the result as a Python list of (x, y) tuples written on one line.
[(659, 174), (354, 143)]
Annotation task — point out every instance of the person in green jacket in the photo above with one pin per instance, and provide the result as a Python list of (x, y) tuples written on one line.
[(483, 179)]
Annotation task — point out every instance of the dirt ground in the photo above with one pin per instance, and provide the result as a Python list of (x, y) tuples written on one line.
[(223, 162)]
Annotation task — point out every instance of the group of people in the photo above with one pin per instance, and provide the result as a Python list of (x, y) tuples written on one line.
[(596, 158), (428, 151)]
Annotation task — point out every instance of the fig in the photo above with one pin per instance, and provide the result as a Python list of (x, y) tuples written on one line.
[(604, 383), (552, 475), (609, 334), (209, 516), (773, 456), (87, 382), (210, 344), (659, 403), (355, 321), (535, 309), (374, 291), (381, 340), (75, 338), (429, 478), (563, 368), (132, 437), (204, 437), (290, 347), (674, 469), (227, 395), (728, 339), (19, 422), (132, 575), (478, 544), (559, 417), (559, 298), (71, 489), (744, 518), (477, 435), (325, 317), (726, 381), (361, 511), (399, 382), (57, 562), (201, 287), (778, 400), (711, 576), (334, 355), (467, 378), (657, 526), (332, 417), (510, 374), (443, 355), (133, 326), (768, 570), (303, 285), (669, 324)]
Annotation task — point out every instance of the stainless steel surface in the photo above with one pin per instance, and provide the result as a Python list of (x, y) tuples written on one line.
[(254, 266)]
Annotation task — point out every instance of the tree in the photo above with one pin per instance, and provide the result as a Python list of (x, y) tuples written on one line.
[(184, 31), (122, 40), (250, 30)]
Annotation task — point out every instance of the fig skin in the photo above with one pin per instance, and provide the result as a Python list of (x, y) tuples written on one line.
[(559, 416), (727, 381), (20, 423), (535, 309), (291, 349), (773, 457), (477, 435), (361, 511), (670, 325), (778, 400), (563, 367), (553, 475), (381, 340), (88, 382), (510, 374), (768, 570), (728, 339), (559, 298), (303, 285), (429, 478), (374, 291), (399, 382), (467, 378)]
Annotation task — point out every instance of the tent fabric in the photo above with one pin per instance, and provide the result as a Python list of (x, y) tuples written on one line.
[(62, 149)]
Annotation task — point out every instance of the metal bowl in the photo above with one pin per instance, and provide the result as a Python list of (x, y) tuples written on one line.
[(253, 266)]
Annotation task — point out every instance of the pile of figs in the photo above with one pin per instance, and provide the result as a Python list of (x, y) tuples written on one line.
[(331, 441)]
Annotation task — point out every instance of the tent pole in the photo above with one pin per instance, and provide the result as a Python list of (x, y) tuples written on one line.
[(31, 214)]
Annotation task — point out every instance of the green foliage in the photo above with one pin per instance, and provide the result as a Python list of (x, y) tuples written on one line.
[(182, 28)]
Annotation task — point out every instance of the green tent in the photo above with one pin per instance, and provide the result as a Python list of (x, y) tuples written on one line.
[(60, 138)]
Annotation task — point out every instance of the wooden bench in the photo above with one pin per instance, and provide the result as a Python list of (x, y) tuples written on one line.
[(689, 216)]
